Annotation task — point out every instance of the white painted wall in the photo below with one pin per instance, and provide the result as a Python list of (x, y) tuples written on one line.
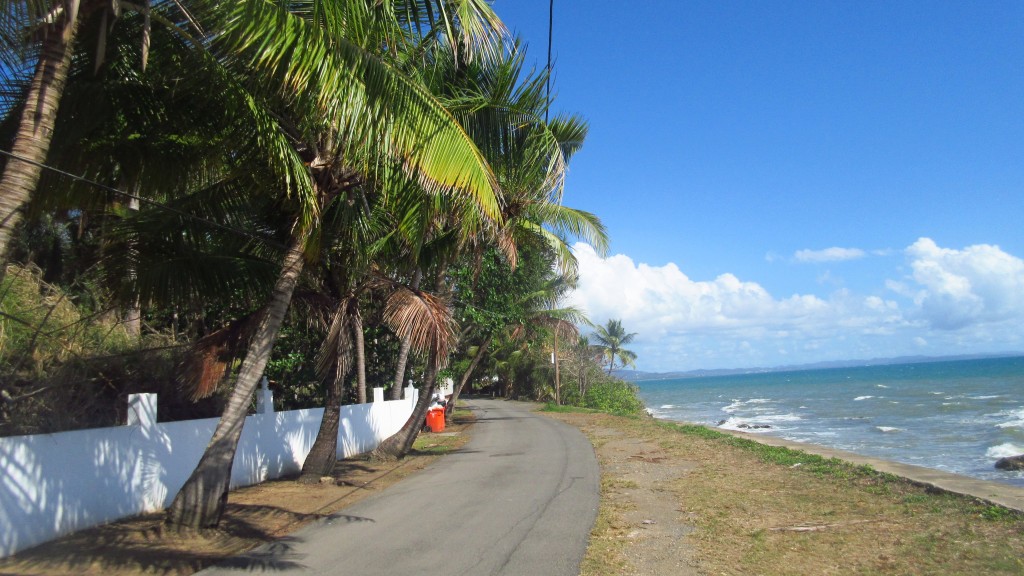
[(54, 484)]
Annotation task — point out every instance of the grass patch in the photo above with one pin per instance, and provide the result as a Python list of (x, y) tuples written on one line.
[(796, 459), (759, 509), (561, 409), (453, 438)]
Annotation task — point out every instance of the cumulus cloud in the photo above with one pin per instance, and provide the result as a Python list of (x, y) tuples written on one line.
[(958, 288), (660, 299), (833, 254), (683, 320), (948, 301)]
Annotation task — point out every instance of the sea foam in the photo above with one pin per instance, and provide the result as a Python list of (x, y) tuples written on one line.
[(1016, 421), (1004, 450)]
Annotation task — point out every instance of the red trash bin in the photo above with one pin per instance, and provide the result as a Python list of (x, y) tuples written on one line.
[(435, 419)]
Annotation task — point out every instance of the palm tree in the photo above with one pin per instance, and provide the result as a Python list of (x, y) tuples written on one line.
[(504, 109), (42, 34), (611, 339), (340, 100), (583, 357)]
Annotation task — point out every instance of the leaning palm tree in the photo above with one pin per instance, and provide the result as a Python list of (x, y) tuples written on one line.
[(611, 339), (340, 99)]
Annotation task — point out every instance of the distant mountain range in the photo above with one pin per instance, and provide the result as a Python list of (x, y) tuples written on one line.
[(637, 375)]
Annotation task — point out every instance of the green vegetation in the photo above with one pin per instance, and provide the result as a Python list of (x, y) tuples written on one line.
[(69, 365), (610, 341), (341, 196)]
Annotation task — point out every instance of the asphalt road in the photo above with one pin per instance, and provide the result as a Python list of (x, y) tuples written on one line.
[(519, 499)]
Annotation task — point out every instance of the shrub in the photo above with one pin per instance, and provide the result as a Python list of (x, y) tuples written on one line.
[(614, 396)]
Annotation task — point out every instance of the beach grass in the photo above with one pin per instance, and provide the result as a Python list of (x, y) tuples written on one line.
[(759, 509)]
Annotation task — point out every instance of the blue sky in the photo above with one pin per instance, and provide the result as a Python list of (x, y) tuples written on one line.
[(791, 182)]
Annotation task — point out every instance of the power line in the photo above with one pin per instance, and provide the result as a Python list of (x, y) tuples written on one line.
[(551, 24), (143, 200)]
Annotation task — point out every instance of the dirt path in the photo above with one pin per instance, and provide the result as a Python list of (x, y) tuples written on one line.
[(637, 477)]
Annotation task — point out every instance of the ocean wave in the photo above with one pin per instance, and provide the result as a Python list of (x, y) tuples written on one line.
[(888, 429), (858, 398), (880, 386), (753, 403), (667, 406), (985, 397), (1004, 450), (1016, 421), (765, 423)]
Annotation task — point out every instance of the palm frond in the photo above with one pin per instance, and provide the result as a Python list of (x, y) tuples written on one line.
[(336, 350), (423, 318), (363, 97)]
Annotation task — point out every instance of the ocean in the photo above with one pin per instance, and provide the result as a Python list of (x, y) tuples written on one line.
[(959, 416)]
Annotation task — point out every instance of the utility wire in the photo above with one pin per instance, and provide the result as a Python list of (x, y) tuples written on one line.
[(143, 200), (551, 21)]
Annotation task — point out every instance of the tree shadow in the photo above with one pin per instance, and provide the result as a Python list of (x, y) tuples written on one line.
[(144, 544)]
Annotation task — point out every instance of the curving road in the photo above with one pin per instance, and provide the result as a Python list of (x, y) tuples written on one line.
[(519, 499)]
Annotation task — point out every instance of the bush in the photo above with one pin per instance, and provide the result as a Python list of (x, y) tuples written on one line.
[(614, 396), (41, 327), (64, 366)]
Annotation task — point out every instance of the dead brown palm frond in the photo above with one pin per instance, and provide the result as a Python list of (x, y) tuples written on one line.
[(565, 329), (336, 350), (209, 358), (424, 318), (315, 307), (506, 243)]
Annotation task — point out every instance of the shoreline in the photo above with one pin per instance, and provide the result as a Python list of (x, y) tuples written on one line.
[(999, 493)]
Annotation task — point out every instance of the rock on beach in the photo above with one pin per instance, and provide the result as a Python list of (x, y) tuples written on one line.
[(1011, 463)]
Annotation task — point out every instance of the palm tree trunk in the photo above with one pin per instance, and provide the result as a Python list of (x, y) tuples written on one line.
[(403, 352), (398, 445), (403, 360), (357, 331), (200, 502), (324, 452), (558, 382), (481, 350), (35, 129)]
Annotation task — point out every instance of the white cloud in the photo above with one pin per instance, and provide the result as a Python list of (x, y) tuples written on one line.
[(950, 301), (958, 288), (834, 254)]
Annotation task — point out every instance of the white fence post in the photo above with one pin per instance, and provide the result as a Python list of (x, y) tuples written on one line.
[(378, 394), (142, 410), (264, 398)]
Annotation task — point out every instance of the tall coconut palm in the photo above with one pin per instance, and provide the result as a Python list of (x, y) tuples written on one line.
[(611, 339), (505, 110), (341, 98)]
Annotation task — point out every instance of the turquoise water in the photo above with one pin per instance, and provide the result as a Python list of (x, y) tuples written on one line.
[(958, 416)]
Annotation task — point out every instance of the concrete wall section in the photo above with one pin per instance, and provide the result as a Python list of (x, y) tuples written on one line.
[(54, 484)]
